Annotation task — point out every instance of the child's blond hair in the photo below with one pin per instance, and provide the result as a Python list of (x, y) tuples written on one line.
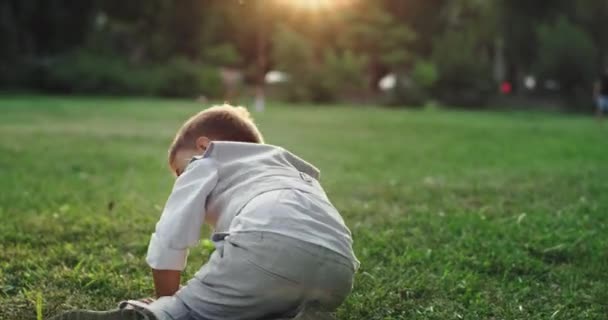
[(224, 123)]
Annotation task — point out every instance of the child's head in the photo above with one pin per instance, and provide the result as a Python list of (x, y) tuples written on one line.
[(222, 123)]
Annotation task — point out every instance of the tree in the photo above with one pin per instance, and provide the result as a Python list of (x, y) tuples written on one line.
[(592, 15), (316, 76), (422, 17), (519, 20), (567, 54), (384, 35), (375, 34), (464, 72), (32, 31), (293, 54)]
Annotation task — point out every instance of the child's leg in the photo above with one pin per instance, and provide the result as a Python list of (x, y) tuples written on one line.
[(230, 287), (116, 314), (164, 308), (260, 275)]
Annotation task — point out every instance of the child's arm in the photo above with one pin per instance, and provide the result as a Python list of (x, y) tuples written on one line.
[(180, 224), (166, 282)]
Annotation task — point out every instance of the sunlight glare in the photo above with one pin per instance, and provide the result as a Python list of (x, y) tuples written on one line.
[(313, 5)]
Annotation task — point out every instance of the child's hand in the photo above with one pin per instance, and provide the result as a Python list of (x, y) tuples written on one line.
[(131, 304), (166, 282), (146, 300)]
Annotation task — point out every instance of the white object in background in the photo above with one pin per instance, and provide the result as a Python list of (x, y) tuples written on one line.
[(388, 82), (530, 82), (274, 76)]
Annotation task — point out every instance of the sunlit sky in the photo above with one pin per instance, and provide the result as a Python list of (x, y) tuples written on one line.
[(314, 5)]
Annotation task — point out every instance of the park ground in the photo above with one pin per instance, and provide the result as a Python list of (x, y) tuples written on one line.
[(455, 214)]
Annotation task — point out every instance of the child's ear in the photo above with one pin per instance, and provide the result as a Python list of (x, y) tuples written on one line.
[(202, 143)]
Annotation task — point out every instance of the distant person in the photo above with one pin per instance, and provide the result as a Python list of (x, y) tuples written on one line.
[(601, 94), (281, 248), (232, 80)]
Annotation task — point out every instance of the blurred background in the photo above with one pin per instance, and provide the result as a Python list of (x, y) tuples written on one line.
[(458, 53)]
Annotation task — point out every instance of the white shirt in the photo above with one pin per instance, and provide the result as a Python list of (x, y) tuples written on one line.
[(242, 187)]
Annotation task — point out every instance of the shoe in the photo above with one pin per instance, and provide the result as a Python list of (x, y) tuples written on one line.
[(117, 314), (311, 313)]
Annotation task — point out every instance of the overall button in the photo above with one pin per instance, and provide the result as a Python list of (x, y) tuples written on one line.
[(305, 177)]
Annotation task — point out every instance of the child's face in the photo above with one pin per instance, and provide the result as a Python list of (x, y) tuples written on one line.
[(182, 159), (184, 155)]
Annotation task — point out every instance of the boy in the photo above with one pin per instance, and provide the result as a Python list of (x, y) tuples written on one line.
[(280, 244)]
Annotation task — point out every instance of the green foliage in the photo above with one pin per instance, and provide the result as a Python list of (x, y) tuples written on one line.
[(39, 306), (567, 54), (293, 54), (415, 89), (86, 72), (465, 77), (342, 73), (183, 78), (591, 15), (21, 74), (520, 20), (311, 79), (425, 74), (446, 223), (292, 51), (222, 55), (389, 35), (375, 33)]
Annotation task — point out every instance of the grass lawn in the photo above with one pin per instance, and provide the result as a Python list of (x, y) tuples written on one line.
[(456, 215)]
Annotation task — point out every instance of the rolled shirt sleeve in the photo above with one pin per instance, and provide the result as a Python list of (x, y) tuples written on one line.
[(180, 223)]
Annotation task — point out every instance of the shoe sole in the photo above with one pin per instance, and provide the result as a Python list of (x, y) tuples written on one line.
[(119, 314)]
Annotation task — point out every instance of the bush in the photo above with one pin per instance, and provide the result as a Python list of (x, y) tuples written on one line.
[(21, 74), (464, 73), (424, 74), (294, 55), (567, 54), (338, 73), (85, 72), (183, 78), (224, 54), (415, 89)]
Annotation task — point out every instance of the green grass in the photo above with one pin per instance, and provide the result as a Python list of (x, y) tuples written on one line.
[(456, 215)]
